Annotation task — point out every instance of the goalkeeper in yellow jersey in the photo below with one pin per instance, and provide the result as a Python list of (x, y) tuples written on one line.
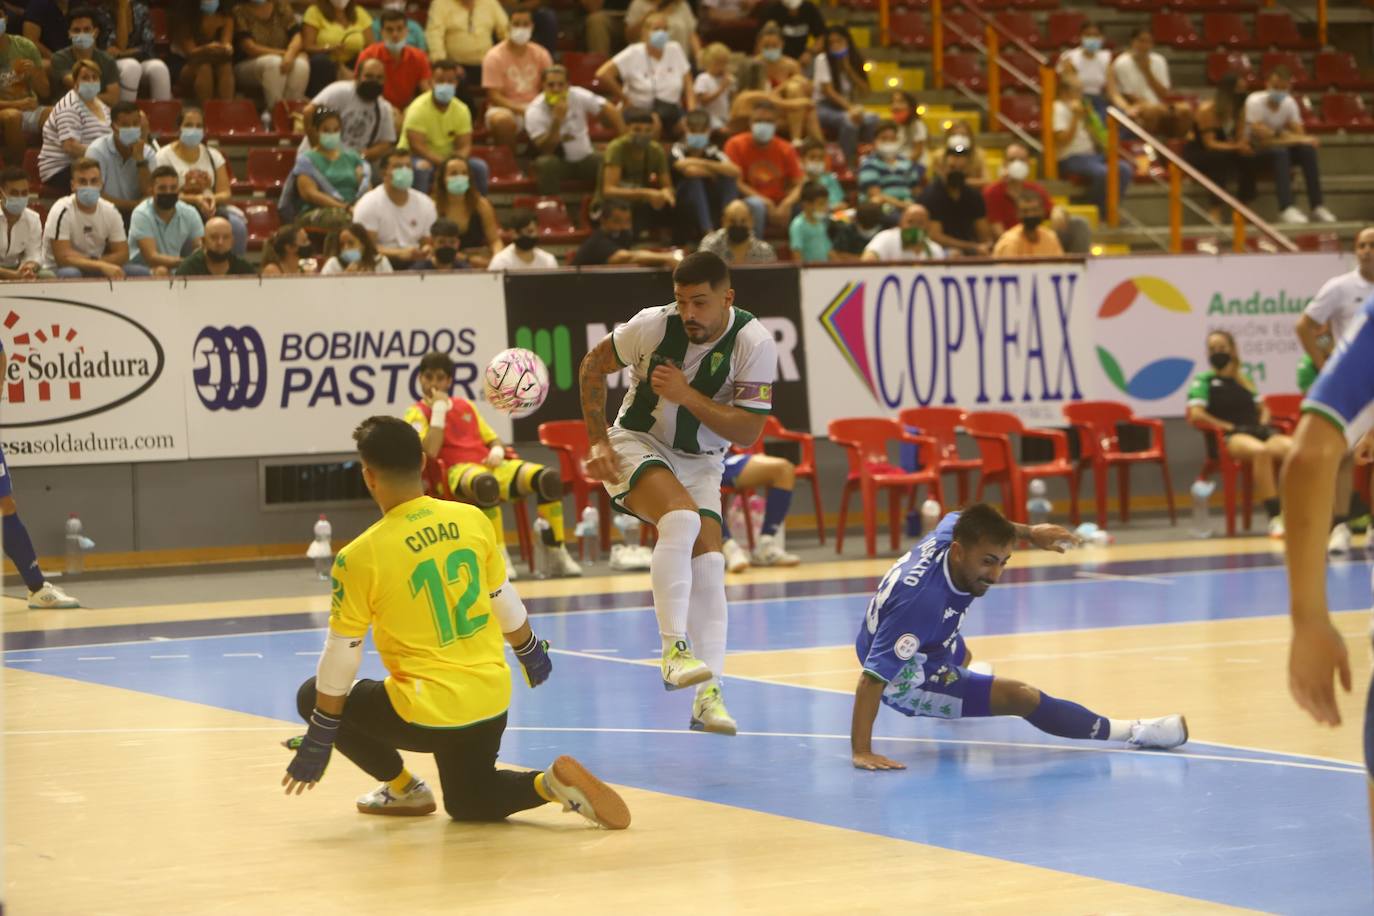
[(430, 581)]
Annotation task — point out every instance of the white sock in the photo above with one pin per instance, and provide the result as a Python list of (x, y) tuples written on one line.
[(1119, 729), (710, 615), (670, 571)]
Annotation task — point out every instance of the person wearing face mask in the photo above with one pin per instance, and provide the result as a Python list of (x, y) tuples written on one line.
[(1225, 398), (327, 179), (406, 68), (770, 171), (83, 33), (674, 16), (912, 132), (840, 83), (269, 46), (203, 36), (215, 257), (84, 234), (735, 242), (414, 32), (289, 252), (456, 200), (802, 25), (706, 179), (351, 250), (809, 234), (397, 216), (1092, 64), (909, 240), (205, 182), (333, 34), (816, 167), (636, 171), (1079, 138), (774, 76), (23, 81), (612, 242), (438, 125), (367, 120), (851, 237), (1218, 148), (1031, 237), (163, 226), (886, 175), (464, 31), (1273, 126), (652, 74), (446, 240), (1000, 197), (523, 253), (77, 120), (511, 74), (958, 216), (557, 123), (960, 134), (124, 156), (21, 255)]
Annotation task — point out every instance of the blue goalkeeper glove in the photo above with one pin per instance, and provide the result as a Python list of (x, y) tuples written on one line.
[(534, 659), (312, 754)]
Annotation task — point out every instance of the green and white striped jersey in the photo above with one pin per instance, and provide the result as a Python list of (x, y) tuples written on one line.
[(738, 368)]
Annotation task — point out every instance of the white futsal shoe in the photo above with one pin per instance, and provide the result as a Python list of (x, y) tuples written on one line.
[(1293, 216), (561, 562), (680, 668), (769, 552), (1339, 542), (736, 560), (1162, 733), (416, 800), (511, 573), (709, 713), (578, 790), (51, 598)]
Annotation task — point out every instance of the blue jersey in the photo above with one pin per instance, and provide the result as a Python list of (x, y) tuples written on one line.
[(1344, 392), (911, 630)]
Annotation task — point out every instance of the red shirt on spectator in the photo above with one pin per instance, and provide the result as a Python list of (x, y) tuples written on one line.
[(403, 74), (1001, 206), (771, 170)]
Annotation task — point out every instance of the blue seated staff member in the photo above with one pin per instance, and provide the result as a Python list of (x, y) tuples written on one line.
[(916, 662), (430, 581)]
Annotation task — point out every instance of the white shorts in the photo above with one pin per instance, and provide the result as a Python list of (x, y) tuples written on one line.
[(519, 118), (637, 452)]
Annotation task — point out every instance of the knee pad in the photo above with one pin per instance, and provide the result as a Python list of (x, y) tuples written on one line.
[(481, 487), (548, 485)]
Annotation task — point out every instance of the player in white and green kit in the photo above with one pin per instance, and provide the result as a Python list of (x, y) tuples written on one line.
[(703, 375)]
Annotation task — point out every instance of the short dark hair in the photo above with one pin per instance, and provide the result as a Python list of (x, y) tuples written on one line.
[(1088, 24), (520, 218), (1143, 30), (813, 190), (437, 359), (392, 16), (389, 445), (1282, 72), (165, 171), (615, 205), (886, 125), (983, 524), (765, 105), (123, 108), (810, 144), (698, 117), (82, 12), (393, 154), (446, 228), (13, 173), (869, 214), (447, 64), (638, 116), (324, 113), (556, 68), (702, 267), (85, 164)]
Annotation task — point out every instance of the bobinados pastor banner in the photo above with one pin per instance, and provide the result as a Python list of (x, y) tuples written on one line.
[(1028, 338)]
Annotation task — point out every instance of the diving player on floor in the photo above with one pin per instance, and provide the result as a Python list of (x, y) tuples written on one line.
[(915, 661)]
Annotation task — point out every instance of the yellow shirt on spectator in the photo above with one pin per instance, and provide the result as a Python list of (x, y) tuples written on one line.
[(422, 578), (453, 31), (440, 128), (348, 41)]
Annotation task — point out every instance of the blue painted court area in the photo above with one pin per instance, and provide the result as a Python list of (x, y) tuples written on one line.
[(1264, 830)]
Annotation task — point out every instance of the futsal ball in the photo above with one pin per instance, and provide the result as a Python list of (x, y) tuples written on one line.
[(517, 381)]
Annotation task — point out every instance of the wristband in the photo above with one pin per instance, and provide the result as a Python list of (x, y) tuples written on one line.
[(528, 647), (323, 727), (438, 413)]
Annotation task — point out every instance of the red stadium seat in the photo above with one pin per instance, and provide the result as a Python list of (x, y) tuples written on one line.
[(1276, 29), (992, 430), (1035, 4), (506, 174), (1024, 64), (909, 29), (235, 119), (838, 163), (157, 18), (555, 225), (1023, 25), (962, 29), (1023, 110), (966, 70), (582, 67), (268, 168), (943, 424), (1346, 111), (1284, 410), (1338, 69), (865, 441), (1176, 30), (285, 114), (568, 438), (1095, 423), (1226, 30), (806, 465), (262, 219), (162, 116), (1063, 28), (1272, 59), (1220, 63), (1232, 473)]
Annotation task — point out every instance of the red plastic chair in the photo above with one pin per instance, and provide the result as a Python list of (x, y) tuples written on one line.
[(263, 220), (1100, 449), (1232, 473), (269, 168), (1346, 111), (942, 424), (1176, 30), (506, 174), (992, 430), (1220, 63), (284, 114), (568, 438), (1023, 110), (909, 29), (1023, 63), (1276, 29), (555, 225), (1023, 25), (865, 442), (162, 116), (1284, 411), (582, 67), (1226, 30), (157, 18), (1034, 4), (967, 70), (435, 476), (235, 119), (1063, 28), (805, 469), (1271, 60), (960, 24), (1338, 68)]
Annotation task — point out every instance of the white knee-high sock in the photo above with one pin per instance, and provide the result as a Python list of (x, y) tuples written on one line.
[(710, 615), (670, 571)]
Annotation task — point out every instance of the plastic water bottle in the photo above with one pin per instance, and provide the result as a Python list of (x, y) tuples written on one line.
[(1038, 507), (267, 121), (543, 534), (321, 550), (931, 513), (627, 525), (76, 561), (1202, 495), (589, 535)]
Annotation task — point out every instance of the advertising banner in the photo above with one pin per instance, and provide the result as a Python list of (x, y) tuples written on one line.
[(562, 316)]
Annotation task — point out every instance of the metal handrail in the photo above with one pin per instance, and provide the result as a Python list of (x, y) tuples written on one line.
[(1178, 167)]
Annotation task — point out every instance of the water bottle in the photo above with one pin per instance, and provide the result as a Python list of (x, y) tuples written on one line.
[(543, 535), (1202, 495), (1038, 507), (930, 516), (589, 535), (320, 550), (76, 562), (267, 121), (627, 524)]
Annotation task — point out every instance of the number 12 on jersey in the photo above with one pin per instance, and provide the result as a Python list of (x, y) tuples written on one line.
[(450, 623)]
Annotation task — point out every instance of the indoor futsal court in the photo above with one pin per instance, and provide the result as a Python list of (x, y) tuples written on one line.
[(144, 760)]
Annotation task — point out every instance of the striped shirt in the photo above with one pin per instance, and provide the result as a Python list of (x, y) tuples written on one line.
[(71, 119), (892, 179)]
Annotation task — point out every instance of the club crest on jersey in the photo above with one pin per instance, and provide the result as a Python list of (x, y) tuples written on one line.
[(716, 359), (906, 646)]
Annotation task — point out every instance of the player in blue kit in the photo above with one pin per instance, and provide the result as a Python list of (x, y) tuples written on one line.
[(916, 662), (1337, 414)]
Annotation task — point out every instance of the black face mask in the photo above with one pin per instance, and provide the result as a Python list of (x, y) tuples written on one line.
[(165, 201), (737, 234), (445, 254), (1219, 361), (954, 180), (219, 257), (526, 242), (369, 90), (623, 237), (304, 251), (1030, 223)]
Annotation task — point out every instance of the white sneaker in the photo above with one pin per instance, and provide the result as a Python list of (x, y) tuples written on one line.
[(1323, 215), (1163, 733), (984, 668), (1293, 215), (50, 598), (736, 560), (770, 553), (561, 562), (1276, 527), (578, 790), (623, 557), (511, 573), (415, 801), (1339, 542), (709, 713), (680, 668)]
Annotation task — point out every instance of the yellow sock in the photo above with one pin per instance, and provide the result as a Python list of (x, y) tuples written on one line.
[(399, 785), (552, 512), (542, 789), (497, 525)]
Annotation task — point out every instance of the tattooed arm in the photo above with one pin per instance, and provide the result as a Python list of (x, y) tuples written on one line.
[(600, 362)]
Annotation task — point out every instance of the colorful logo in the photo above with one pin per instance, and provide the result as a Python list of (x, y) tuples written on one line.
[(843, 320), (1158, 379)]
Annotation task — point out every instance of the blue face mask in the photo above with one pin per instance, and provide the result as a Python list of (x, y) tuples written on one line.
[(458, 184), (772, 55), (331, 140), (88, 91), (842, 52), (394, 47), (659, 38), (209, 6), (350, 255), (1092, 45), (402, 178), (1277, 96), (191, 136), (128, 136), (698, 141), (763, 131), (87, 197), (83, 41), (16, 205), (443, 92)]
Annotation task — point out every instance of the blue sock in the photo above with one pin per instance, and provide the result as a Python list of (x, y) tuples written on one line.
[(724, 527), (1069, 720), (775, 509), (19, 548)]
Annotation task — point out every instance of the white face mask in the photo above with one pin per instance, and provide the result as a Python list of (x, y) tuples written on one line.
[(1018, 169), (521, 36), (888, 150), (813, 167)]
